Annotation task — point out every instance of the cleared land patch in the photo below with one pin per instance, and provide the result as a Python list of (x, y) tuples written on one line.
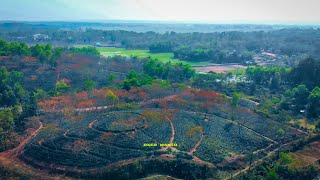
[(163, 57), (219, 68)]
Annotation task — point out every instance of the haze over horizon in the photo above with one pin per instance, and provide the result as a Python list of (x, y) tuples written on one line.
[(262, 11)]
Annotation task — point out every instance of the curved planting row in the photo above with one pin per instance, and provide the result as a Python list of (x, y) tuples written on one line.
[(224, 138), (111, 138), (187, 131), (120, 122), (256, 122)]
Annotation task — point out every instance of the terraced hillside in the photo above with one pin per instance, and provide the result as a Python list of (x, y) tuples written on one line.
[(163, 132)]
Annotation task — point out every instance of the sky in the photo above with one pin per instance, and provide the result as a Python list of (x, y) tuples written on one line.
[(276, 11)]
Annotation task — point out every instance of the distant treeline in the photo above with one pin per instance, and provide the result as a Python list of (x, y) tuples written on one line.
[(290, 41), (44, 53)]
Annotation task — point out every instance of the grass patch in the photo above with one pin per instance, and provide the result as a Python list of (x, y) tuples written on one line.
[(163, 57), (237, 71)]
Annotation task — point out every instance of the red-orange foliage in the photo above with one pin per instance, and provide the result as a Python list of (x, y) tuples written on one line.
[(83, 104), (194, 130), (117, 81), (58, 102), (152, 115), (78, 146), (29, 59), (75, 66), (131, 122), (33, 77), (158, 115), (188, 92), (121, 94), (106, 136), (63, 100), (41, 70), (99, 93), (48, 105), (81, 96), (211, 95), (138, 94), (206, 98)]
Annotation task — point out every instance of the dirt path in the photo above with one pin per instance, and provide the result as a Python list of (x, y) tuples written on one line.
[(254, 164), (195, 158), (260, 150), (199, 161), (171, 138), (10, 161), (172, 131), (197, 145), (16, 151), (92, 124), (65, 134)]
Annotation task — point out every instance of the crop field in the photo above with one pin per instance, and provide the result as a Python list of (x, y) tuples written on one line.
[(201, 131), (104, 138), (163, 57)]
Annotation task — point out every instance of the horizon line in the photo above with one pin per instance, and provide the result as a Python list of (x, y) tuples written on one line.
[(228, 22)]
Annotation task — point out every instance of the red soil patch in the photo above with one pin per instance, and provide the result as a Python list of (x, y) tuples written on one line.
[(219, 69)]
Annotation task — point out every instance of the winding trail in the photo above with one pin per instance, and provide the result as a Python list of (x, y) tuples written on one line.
[(257, 162), (92, 124), (10, 161), (194, 158), (260, 150), (171, 138), (172, 131), (196, 145), (16, 151)]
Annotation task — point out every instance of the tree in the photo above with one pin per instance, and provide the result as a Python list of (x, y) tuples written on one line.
[(286, 158), (317, 124), (6, 120), (111, 97), (89, 85), (234, 103), (276, 80), (161, 47), (314, 103), (272, 175), (134, 79), (9, 98), (111, 78), (249, 158), (301, 94), (307, 72), (6, 125), (40, 95), (61, 87), (128, 83)]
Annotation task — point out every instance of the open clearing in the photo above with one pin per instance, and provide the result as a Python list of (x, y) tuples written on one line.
[(163, 57), (219, 68)]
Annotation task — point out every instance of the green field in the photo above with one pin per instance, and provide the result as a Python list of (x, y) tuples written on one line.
[(163, 57)]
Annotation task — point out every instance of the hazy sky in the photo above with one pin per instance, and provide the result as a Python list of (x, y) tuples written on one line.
[(292, 11)]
